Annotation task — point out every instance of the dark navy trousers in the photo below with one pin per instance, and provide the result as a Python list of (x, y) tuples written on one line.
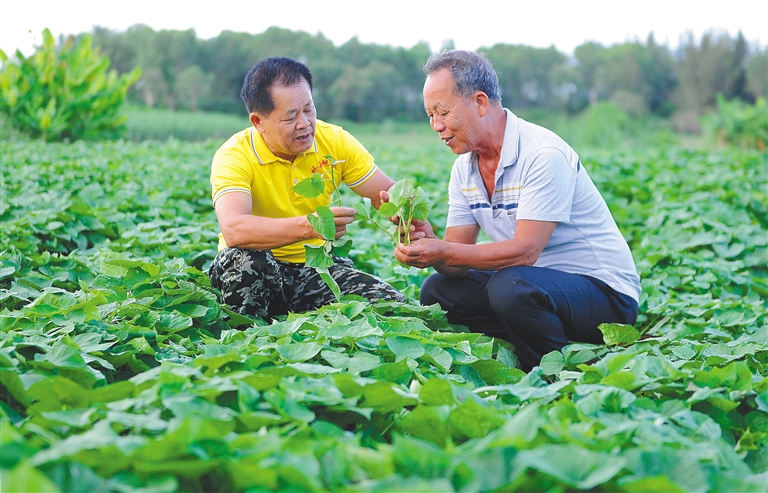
[(538, 310)]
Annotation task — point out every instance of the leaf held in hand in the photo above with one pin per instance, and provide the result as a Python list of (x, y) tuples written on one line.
[(310, 187), (323, 222)]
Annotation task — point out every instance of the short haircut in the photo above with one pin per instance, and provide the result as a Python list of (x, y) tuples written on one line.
[(470, 72), (257, 87)]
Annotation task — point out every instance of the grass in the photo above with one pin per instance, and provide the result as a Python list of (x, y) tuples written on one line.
[(603, 130), (160, 124)]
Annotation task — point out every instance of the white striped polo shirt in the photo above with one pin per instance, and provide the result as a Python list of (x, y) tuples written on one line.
[(541, 178)]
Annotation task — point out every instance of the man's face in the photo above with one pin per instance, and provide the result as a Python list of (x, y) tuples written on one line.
[(289, 129), (451, 116)]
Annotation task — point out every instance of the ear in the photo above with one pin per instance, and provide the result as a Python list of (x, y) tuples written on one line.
[(256, 121), (481, 100)]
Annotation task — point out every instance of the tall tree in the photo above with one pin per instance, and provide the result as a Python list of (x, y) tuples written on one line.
[(638, 77), (525, 74), (757, 75), (588, 57), (715, 65), (192, 84)]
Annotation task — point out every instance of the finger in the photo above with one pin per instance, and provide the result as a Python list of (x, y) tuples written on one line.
[(343, 220), (343, 211), (400, 256)]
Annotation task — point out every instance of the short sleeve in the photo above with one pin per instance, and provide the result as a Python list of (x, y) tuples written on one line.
[(459, 212), (548, 187), (230, 172), (359, 165)]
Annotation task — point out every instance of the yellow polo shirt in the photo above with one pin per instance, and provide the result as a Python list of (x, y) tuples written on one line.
[(245, 164)]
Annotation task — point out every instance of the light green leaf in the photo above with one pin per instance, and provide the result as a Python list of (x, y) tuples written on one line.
[(405, 347), (317, 257), (552, 363), (575, 466), (437, 392), (388, 209), (362, 361), (363, 210), (616, 334), (439, 357), (323, 222), (310, 187), (330, 281), (299, 351)]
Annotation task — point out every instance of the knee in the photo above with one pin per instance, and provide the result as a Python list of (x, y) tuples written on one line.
[(431, 289), (511, 295)]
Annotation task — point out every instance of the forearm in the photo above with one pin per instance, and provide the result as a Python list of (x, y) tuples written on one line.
[(265, 233), (460, 257)]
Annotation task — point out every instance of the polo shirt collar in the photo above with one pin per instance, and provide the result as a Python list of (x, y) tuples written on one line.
[(510, 148), (264, 155)]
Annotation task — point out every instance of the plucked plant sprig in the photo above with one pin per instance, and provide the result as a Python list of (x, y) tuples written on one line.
[(321, 257), (406, 202)]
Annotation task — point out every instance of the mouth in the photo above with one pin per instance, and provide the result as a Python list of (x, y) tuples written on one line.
[(304, 138), (447, 140)]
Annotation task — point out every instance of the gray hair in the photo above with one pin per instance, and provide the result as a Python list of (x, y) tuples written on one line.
[(470, 71)]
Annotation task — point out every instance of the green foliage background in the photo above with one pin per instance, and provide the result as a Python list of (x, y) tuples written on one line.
[(119, 369), (367, 83)]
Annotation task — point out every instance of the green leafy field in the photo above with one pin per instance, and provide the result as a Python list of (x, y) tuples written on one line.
[(120, 371)]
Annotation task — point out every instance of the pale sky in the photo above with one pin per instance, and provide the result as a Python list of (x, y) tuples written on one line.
[(471, 24)]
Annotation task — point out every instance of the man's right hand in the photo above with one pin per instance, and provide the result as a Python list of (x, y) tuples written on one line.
[(342, 216), (420, 230)]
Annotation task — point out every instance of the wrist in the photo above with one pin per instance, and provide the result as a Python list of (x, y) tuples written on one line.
[(307, 231)]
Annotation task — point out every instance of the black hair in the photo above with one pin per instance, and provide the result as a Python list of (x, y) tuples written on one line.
[(265, 74)]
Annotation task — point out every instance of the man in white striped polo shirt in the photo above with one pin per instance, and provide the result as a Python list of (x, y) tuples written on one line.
[(558, 265)]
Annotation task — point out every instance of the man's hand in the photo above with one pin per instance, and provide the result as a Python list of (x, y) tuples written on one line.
[(426, 252), (342, 216), (421, 230)]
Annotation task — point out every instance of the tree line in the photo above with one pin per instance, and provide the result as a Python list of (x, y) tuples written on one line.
[(368, 82)]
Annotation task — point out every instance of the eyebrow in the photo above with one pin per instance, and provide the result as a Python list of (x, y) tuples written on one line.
[(308, 105)]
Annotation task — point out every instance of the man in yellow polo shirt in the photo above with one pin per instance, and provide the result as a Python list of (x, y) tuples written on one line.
[(259, 269)]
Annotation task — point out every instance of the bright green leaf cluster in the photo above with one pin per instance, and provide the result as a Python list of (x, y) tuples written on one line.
[(407, 203), (64, 92)]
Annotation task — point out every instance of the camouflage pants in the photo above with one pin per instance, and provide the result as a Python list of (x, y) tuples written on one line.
[(253, 282)]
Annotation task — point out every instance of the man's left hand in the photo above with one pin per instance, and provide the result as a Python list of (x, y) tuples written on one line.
[(423, 253)]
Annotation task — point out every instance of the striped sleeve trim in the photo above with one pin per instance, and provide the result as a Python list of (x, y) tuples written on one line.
[(253, 146), (363, 179), (228, 190)]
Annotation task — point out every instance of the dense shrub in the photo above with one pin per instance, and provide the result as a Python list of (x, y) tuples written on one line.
[(738, 123), (64, 92)]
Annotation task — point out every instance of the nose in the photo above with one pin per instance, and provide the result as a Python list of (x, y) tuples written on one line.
[(437, 125), (302, 121)]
